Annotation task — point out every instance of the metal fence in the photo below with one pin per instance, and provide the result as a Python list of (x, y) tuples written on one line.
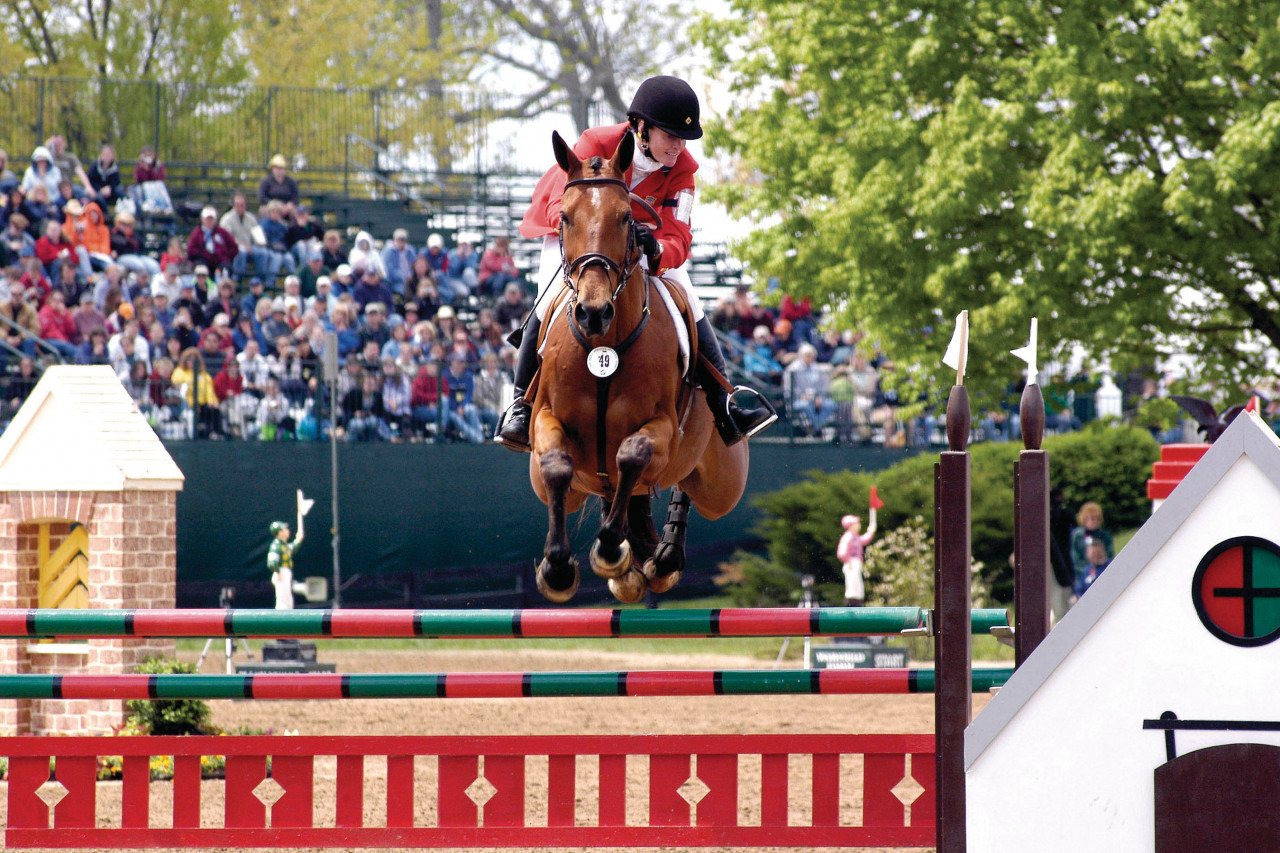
[(238, 128)]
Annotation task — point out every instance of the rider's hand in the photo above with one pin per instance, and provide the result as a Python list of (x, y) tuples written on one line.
[(648, 244)]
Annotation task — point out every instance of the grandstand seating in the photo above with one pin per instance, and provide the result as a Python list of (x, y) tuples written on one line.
[(487, 205)]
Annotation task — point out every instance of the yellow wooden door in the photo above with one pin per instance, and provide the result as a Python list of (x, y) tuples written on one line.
[(64, 573)]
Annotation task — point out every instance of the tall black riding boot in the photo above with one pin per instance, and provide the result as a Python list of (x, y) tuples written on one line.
[(513, 428), (733, 422)]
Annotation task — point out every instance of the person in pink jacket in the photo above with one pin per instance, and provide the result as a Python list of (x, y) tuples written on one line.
[(849, 552)]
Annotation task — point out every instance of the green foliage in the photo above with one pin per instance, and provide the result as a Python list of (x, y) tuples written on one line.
[(753, 581), (1107, 465), (127, 39), (1159, 413), (801, 523), (168, 716), (1091, 164), (899, 570)]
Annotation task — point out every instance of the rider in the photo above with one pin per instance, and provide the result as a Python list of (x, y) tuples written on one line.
[(663, 116)]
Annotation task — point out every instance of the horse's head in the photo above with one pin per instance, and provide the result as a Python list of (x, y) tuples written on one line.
[(595, 231)]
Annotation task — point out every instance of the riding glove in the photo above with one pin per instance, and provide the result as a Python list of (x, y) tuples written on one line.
[(648, 244)]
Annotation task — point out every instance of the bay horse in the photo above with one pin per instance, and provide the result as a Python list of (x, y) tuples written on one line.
[(637, 429)]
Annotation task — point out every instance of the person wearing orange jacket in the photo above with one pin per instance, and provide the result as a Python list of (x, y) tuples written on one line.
[(663, 116), (87, 230)]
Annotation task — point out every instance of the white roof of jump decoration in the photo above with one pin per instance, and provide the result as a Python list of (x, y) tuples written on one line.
[(80, 431)]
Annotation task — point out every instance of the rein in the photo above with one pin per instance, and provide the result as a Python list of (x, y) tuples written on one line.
[(603, 361)]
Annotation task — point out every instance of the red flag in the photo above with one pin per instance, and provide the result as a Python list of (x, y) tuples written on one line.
[(876, 503)]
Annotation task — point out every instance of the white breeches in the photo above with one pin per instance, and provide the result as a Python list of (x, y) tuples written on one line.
[(282, 580), (549, 275), (853, 587)]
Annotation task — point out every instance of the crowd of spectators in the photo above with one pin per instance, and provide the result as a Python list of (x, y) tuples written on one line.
[(222, 333), (830, 381)]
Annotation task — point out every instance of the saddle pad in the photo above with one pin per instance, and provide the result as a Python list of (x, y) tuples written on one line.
[(559, 305)]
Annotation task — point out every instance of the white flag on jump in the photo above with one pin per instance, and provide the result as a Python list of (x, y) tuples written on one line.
[(1028, 354), (958, 350), (304, 507)]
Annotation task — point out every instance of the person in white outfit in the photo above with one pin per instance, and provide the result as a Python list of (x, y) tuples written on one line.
[(849, 552)]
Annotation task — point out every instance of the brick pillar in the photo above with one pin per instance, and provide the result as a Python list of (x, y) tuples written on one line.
[(15, 715), (132, 564)]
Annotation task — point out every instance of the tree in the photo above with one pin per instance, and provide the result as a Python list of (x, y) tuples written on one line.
[(125, 39), (575, 52), (384, 44), (1110, 167)]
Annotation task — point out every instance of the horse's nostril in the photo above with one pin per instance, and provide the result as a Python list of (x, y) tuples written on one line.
[(581, 314), (606, 313)]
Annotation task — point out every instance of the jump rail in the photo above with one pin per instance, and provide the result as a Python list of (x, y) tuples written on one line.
[(478, 624), (591, 770), (691, 783), (486, 685)]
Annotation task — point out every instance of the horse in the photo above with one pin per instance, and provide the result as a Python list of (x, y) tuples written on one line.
[(612, 414)]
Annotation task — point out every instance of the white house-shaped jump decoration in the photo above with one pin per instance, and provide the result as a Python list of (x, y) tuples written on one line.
[(1185, 620), (80, 430), (88, 498)]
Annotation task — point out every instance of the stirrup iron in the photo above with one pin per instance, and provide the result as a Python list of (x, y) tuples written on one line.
[(764, 402)]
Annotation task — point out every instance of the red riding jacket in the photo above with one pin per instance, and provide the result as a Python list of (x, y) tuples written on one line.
[(668, 190)]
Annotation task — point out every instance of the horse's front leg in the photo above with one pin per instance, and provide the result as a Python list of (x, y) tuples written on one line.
[(557, 574), (611, 553)]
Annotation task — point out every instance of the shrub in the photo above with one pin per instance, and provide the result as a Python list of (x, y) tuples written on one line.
[(753, 581), (801, 523), (168, 716), (899, 569)]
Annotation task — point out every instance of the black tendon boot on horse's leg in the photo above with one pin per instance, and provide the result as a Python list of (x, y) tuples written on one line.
[(513, 427), (663, 570), (733, 422)]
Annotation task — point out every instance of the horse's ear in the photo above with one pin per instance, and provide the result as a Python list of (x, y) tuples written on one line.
[(564, 154), (626, 151)]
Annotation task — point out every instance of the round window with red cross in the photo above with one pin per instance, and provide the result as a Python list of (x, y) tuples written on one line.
[(1236, 590)]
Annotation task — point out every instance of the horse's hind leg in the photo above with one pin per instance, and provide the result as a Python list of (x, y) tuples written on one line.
[(557, 574), (663, 571), (611, 553)]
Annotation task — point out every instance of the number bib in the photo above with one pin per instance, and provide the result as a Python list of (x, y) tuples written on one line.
[(602, 362)]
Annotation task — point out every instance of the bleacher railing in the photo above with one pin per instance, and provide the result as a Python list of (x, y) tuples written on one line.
[(216, 129)]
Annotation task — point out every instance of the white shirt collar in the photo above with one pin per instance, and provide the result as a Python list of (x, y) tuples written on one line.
[(642, 166)]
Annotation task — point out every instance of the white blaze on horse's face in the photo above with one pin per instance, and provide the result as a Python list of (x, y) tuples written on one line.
[(597, 222), (595, 232)]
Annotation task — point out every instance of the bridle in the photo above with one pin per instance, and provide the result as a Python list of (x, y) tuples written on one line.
[(620, 273)]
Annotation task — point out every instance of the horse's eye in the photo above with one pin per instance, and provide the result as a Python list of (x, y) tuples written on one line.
[(565, 220)]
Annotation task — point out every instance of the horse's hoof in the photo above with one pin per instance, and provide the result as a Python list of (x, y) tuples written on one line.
[(667, 559), (559, 596), (659, 583), (606, 569), (629, 587)]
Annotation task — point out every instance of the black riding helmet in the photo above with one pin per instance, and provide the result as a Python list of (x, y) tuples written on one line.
[(668, 103)]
